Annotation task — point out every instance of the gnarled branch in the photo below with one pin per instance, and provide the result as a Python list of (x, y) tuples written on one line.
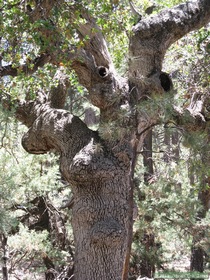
[(152, 36)]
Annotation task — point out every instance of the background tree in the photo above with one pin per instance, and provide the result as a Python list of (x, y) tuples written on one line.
[(98, 165)]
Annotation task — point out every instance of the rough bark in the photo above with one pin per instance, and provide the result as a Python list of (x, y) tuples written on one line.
[(147, 157), (154, 35), (96, 175), (5, 257), (100, 165), (147, 266)]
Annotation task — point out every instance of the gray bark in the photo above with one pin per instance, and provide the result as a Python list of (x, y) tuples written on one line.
[(153, 36), (100, 186), (100, 165)]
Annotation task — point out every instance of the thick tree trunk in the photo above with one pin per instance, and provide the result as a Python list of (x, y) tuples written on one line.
[(100, 224), (99, 173)]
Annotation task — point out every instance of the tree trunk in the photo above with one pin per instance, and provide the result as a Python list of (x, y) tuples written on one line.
[(147, 157), (5, 257), (197, 256), (100, 215), (147, 267), (100, 176), (100, 225), (197, 252), (175, 147)]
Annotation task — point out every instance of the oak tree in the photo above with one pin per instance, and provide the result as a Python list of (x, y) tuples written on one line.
[(99, 165)]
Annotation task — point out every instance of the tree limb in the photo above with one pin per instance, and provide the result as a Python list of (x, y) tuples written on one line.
[(91, 60), (47, 134), (135, 12), (91, 35), (152, 36), (172, 24), (58, 94), (42, 9), (39, 61)]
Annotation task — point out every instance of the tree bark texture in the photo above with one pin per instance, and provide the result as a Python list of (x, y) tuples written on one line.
[(5, 257), (100, 186), (100, 165), (147, 157)]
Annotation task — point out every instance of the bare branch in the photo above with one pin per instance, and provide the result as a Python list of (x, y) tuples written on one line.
[(69, 204), (152, 36), (92, 37), (172, 24), (135, 12)]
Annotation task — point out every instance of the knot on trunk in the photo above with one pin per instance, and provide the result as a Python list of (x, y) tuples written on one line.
[(107, 232), (90, 163), (32, 144), (103, 71)]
